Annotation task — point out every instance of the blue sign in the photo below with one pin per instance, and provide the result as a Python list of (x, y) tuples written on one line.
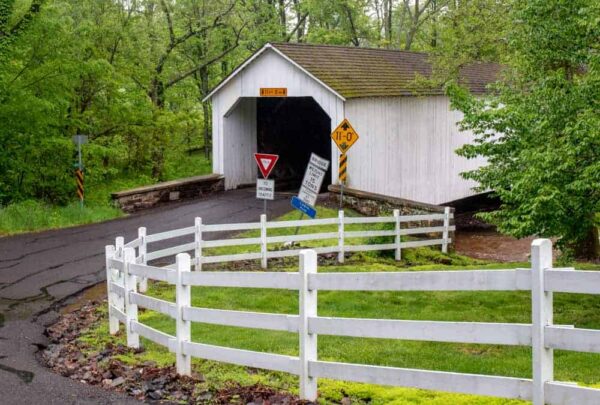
[(304, 207)]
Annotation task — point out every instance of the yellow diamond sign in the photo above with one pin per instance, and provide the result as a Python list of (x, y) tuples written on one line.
[(344, 136)]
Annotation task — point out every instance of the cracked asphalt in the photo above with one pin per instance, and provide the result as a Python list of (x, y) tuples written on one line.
[(41, 271)]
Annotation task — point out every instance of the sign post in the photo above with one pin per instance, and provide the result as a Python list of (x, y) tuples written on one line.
[(344, 137), (79, 140), (265, 188)]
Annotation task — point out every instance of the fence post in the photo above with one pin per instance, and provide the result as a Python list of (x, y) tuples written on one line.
[(131, 310), (263, 241), (118, 276), (397, 240), (183, 298), (142, 254), (542, 316), (198, 243), (446, 226), (341, 236), (113, 322), (308, 341)]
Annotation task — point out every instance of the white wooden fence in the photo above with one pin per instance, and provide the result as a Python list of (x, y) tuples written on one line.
[(199, 230), (542, 335)]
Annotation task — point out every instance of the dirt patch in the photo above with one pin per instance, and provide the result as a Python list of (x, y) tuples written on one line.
[(96, 293), (72, 358), (491, 245)]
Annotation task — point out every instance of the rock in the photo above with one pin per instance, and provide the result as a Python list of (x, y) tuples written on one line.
[(205, 396), (117, 381), (156, 395)]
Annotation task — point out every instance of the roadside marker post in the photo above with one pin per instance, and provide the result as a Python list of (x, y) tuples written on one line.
[(79, 181), (344, 137), (265, 188), (79, 140)]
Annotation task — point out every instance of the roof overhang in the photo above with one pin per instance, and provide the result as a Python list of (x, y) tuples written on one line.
[(255, 56)]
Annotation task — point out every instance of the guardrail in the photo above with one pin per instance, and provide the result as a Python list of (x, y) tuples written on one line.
[(541, 335)]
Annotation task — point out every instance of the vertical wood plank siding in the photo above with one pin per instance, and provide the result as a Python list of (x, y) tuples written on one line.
[(406, 149)]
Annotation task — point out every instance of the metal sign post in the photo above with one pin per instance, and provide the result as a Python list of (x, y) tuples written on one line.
[(79, 140), (344, 137)]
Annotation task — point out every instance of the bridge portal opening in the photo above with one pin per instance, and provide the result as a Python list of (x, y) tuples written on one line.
[(293, 128)]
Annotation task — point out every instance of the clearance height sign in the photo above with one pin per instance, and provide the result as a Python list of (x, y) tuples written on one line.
[(344, 137)]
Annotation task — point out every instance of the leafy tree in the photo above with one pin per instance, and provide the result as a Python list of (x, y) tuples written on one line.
[(13, 25), (540, 128)]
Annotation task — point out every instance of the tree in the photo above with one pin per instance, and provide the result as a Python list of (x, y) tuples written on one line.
[(184, 22), (540, 128), (11, 30)]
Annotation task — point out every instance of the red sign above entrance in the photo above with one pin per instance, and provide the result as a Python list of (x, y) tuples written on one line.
[(266, 162)]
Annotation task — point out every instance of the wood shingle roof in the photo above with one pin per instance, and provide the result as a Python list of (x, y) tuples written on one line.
[(364, 72)]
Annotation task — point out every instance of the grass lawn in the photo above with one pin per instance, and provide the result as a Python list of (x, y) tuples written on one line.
[(580, 310), (33, 215)]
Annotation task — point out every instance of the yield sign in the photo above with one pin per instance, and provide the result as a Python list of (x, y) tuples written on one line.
[(266, 162)]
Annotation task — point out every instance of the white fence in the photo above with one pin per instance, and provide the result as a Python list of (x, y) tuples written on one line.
[(542, 335), (199, 230)]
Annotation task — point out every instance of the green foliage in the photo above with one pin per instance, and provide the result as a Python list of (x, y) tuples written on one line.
[(30, 215), (540, 129), (35, 215)]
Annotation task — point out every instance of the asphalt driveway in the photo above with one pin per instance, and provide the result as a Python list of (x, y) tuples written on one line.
[(39, 271)]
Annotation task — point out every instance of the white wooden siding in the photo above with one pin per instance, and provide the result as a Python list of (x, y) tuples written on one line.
[(234, 112), (406, 149), (240, 144)]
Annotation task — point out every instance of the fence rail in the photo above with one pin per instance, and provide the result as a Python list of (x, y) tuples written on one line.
[(340, 237), (542, 335)]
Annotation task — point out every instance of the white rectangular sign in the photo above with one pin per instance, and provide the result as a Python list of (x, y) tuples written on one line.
[(265, 189), (313, 179), (318, 161)]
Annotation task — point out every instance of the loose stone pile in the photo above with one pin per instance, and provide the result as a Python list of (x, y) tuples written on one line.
[(73, 358)]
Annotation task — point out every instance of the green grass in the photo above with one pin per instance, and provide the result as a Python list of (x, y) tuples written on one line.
[(28, 216), (411, 257), (581, 310)]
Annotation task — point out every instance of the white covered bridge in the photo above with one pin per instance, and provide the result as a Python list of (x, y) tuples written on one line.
[(287, 99)]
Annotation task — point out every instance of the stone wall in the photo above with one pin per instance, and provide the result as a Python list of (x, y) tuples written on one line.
[(372, 204), (150, 196)]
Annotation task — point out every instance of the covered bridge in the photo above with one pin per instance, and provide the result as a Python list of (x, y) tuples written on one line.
[(287, 99)]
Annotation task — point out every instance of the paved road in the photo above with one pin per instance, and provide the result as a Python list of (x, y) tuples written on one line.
[(39, 271)]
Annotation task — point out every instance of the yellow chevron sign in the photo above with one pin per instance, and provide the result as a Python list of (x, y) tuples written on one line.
[(343, 170), (344, 136), (79, 178)]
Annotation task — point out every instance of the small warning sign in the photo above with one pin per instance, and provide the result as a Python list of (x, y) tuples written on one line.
[(273, 92), (344, 136)]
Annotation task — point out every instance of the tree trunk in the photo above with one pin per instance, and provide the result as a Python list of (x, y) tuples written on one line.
[(434, 34), (206, 112), (157, 155), (590, 247), (282, 19), (387, 23)]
